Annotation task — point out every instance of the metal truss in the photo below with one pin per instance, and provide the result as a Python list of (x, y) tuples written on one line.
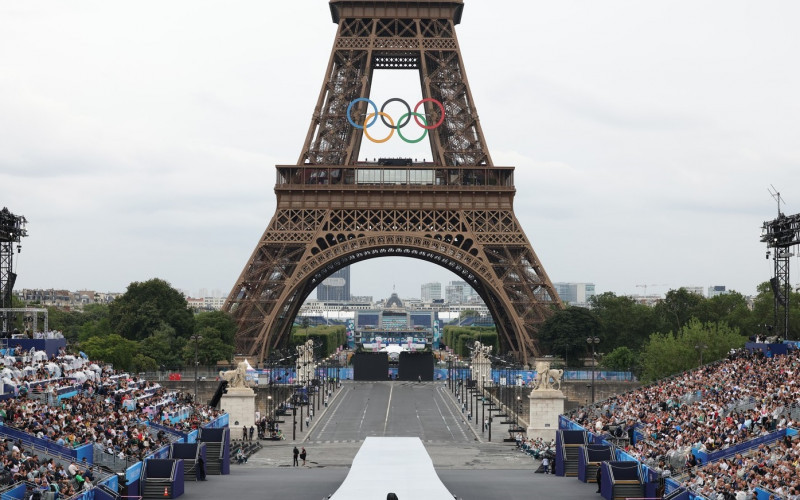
[(426, 45), (456, 212)]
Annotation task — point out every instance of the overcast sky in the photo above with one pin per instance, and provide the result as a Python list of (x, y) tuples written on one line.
[(140, 138)]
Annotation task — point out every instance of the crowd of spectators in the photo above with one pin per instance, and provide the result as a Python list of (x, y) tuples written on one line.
[(23, 371), (43, 474), (711, 408), (773, 467)]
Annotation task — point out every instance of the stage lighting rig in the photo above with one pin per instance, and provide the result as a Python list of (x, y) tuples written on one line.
[(780, 235), (12, 230)]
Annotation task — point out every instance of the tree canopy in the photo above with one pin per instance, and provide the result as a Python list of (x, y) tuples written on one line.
[(566, 331), (145, 307)]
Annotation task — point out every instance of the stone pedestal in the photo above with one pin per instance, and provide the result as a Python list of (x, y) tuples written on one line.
[(546, 406), (240, 404)]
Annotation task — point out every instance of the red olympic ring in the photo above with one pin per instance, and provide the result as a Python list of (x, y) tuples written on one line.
[(435, 125)]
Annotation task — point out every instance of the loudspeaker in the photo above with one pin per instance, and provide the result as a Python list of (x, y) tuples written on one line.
[(776, 289)]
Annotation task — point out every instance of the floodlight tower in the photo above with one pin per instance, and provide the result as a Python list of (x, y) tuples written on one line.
[(12, 230), (780, 235)]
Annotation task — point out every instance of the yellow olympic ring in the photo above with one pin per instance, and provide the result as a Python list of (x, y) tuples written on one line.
[(391, 129)]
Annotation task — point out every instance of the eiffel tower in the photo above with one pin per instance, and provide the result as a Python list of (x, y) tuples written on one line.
[(333, 211)]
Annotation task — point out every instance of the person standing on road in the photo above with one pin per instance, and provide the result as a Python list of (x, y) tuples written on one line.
[(295, 452), (244, 433), (252, 431), (303, 456)]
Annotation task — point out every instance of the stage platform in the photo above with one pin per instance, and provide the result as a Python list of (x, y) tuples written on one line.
[(400, 465)]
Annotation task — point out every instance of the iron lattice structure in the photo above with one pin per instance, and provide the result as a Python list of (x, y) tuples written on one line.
[(12, 230), (781, 235), (333, 211)]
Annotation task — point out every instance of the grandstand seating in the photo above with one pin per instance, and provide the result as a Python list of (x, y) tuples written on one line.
[(61, 408), (734, 415)]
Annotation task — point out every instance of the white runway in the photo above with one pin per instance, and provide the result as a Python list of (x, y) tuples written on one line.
[(400, 465)]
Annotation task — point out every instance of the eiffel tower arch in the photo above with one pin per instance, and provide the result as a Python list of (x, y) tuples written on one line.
[(332, 211)]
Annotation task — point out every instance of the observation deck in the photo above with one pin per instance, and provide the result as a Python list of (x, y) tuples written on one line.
[(374, 185)]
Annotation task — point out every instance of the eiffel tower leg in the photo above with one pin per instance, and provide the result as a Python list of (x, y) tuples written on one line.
[(303, 247), (455, 211)]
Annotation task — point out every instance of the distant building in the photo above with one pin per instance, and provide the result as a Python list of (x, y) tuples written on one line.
[(461, 292), (335, 287), (213, 303), (431, 291), (575, 294), (64, 298), (454, 293), (395, 324), (715, 290), (195, 304), (698, 290)]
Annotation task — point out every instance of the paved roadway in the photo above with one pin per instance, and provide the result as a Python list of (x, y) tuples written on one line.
[(392, 409), (469, 466)]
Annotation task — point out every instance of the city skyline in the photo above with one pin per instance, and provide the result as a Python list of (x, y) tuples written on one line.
[(644, 136)]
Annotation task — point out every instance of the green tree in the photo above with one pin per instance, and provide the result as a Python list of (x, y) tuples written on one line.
[(111, 349), (565, 333), (728, 307), (142, 309), (210, 348), (220, 321), (142, 363), (763, 314), (678, 307), (620, 359), (468, 313), (623, 322), (668, 353), (164, 346), (97, 328)]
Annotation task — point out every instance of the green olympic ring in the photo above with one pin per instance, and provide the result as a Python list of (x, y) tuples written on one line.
[(424, 129)]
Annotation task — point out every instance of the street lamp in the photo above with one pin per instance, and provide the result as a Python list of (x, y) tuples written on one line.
[(196, 338), (700, 348), (592, 341), (483, 405), (269, 410), (516, 413)]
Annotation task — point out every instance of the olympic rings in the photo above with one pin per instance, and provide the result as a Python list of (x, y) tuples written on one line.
[(350, 106), (391, 127), (436, 125), (406, 116), (424, 132), (371, 118)]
